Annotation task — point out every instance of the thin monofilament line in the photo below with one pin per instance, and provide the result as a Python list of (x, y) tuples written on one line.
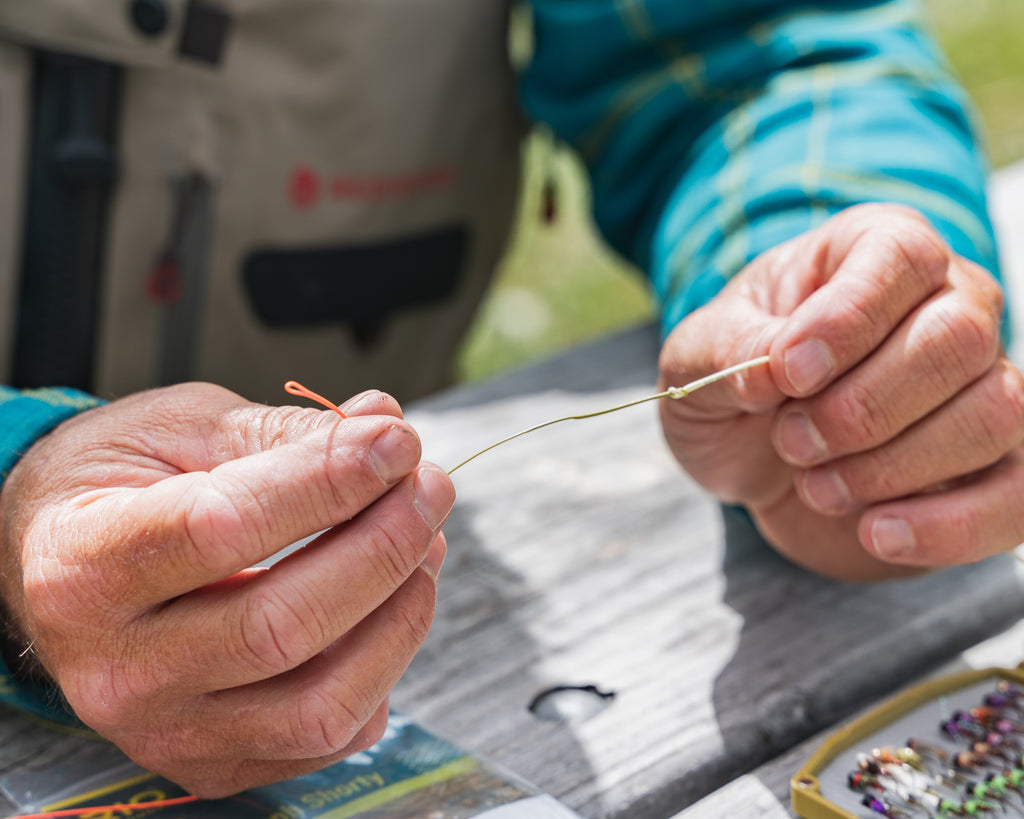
[(671, 392)]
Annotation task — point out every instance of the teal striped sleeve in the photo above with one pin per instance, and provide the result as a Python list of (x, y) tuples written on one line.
[(713, 130), (25, 416)]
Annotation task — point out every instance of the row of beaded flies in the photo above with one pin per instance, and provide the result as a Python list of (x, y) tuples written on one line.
[(981, 773)]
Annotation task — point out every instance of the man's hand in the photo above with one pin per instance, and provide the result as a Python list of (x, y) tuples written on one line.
[(885, 435), (129, 534)]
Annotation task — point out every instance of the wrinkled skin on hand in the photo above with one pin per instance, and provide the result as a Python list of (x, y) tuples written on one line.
[(129, 534), (884, 437)]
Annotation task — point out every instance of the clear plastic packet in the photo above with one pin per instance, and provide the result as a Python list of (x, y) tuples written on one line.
[(409, 773)]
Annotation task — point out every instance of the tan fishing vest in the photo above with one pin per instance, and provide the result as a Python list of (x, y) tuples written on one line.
[(267, 189)]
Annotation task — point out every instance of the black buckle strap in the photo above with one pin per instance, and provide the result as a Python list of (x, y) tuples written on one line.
[(72, 169)]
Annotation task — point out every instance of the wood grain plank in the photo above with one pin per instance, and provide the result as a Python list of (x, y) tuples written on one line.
[(581, 555)]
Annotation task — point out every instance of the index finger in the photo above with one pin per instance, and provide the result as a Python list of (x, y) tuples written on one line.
[(876, 266), (196, 528)]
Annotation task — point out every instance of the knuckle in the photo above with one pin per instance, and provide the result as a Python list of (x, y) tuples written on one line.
[(992, 294), (266, 429), (275, 633), (879, 478), (962, 528), (106, 699), (868, 478), (1013, 392), (979, 285), (1002, 428), (391, 556), (969, 339), (370, 734), (859, 312), (257, 428), (414, 614), (903, 235), (325, 724), (859, 419), (220, 522)]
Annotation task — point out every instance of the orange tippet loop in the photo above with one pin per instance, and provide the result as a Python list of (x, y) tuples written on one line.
[(295, 388)]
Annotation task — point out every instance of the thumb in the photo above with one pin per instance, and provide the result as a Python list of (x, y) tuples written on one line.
[(197, 426), (725, 332)]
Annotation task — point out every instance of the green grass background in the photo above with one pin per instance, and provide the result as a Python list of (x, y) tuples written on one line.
[(559, 285)]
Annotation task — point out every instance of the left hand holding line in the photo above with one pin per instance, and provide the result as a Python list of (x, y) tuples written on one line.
[(128, 540)]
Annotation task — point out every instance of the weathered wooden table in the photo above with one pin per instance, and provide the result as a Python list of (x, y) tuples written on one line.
[(581, 556)]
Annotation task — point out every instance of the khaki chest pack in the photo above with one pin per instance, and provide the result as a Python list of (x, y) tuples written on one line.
[(250, 191)]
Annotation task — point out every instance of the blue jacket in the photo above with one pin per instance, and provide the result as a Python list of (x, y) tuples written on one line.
[(715, 130)]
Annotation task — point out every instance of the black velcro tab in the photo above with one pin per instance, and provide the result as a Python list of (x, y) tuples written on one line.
[(204, 32), (355, 282)]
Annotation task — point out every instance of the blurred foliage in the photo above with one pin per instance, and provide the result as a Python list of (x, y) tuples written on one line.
[(984, 40), (559, 285)]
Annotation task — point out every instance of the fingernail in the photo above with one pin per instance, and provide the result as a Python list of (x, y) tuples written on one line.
[(394, 453), (826, 491), (892, 538), (434, 495), (435, 558), (799, 439), (808, 365)]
